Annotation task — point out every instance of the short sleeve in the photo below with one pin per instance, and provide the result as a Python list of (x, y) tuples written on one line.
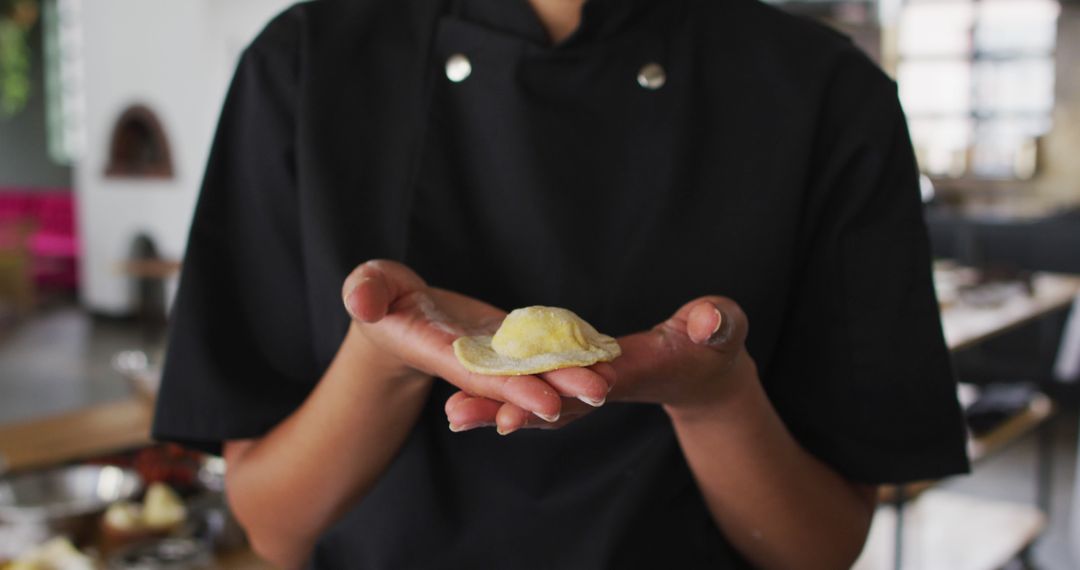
[(861, 374), (239, 356)]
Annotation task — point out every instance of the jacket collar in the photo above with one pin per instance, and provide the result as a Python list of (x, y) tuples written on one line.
[(600, 19)]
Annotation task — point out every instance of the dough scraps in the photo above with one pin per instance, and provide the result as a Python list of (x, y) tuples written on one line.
[(534, 340)]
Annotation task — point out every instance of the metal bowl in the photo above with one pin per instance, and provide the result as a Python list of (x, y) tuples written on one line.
[(164, 554), (135, 367), (66, 500)]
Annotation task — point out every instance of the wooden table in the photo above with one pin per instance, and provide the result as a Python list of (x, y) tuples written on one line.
[(150, 268), (967, 326), (88, 433), (82, 434), (951, 531)]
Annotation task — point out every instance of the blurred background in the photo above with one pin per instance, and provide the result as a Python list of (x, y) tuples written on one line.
[(106, 116)]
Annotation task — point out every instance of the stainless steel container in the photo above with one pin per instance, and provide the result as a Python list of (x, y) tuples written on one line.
[(67, 500)]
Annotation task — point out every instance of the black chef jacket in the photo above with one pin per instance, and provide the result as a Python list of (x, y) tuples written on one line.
[(772, 165)]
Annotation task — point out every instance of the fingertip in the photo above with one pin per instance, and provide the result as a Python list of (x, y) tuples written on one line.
[(549, 418), (704, 322), (465, 410), (583, 383), (370, 299), (595, 391), (594, 402), (510, 418), (453, 401), (606, 371)]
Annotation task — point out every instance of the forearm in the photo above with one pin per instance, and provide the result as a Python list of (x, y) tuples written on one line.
[(779, 505), (290, 485)]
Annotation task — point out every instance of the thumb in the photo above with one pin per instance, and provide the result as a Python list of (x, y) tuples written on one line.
[(715, 322), (371, 289)]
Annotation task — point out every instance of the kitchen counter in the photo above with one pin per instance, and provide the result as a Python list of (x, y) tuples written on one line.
[(71, 436)]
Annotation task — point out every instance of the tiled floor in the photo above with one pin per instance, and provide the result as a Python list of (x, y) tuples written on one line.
[(61, 360)]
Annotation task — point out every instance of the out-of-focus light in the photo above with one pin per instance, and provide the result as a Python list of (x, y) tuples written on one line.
[(926, 188)]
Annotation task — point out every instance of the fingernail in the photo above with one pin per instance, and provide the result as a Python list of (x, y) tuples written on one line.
[(550, 419), (467, 427), (502, 431), (346, 300), (592, 402), (350, 297), (722, 331)]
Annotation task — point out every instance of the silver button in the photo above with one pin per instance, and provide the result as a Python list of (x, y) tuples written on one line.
[(651, 76), (458, 68)]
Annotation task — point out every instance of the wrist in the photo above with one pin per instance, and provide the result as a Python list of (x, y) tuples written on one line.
[(729, 398)]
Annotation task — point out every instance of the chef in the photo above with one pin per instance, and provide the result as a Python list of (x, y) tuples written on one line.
[(728, 190)]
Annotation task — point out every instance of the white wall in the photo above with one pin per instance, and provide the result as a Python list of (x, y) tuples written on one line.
[(177, 58)]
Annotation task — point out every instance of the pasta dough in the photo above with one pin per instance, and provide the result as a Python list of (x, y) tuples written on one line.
[(534, 340)]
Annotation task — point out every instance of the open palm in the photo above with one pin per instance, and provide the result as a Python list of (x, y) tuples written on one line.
[(415, 325), (686, 361)]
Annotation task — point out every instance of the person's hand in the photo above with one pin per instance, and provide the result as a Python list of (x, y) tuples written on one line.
[(412, 327), (693, 360)]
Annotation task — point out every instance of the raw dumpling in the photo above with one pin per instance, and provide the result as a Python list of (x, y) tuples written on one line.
[(534, 340)]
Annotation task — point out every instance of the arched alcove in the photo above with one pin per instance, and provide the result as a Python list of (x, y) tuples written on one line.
[(139, 146)]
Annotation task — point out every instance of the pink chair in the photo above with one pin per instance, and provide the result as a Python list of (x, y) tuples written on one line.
[(54, 245), (15, 205), (39, 246)]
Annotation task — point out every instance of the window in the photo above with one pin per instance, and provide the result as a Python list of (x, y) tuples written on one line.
[(976, 79), (64, 89)]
